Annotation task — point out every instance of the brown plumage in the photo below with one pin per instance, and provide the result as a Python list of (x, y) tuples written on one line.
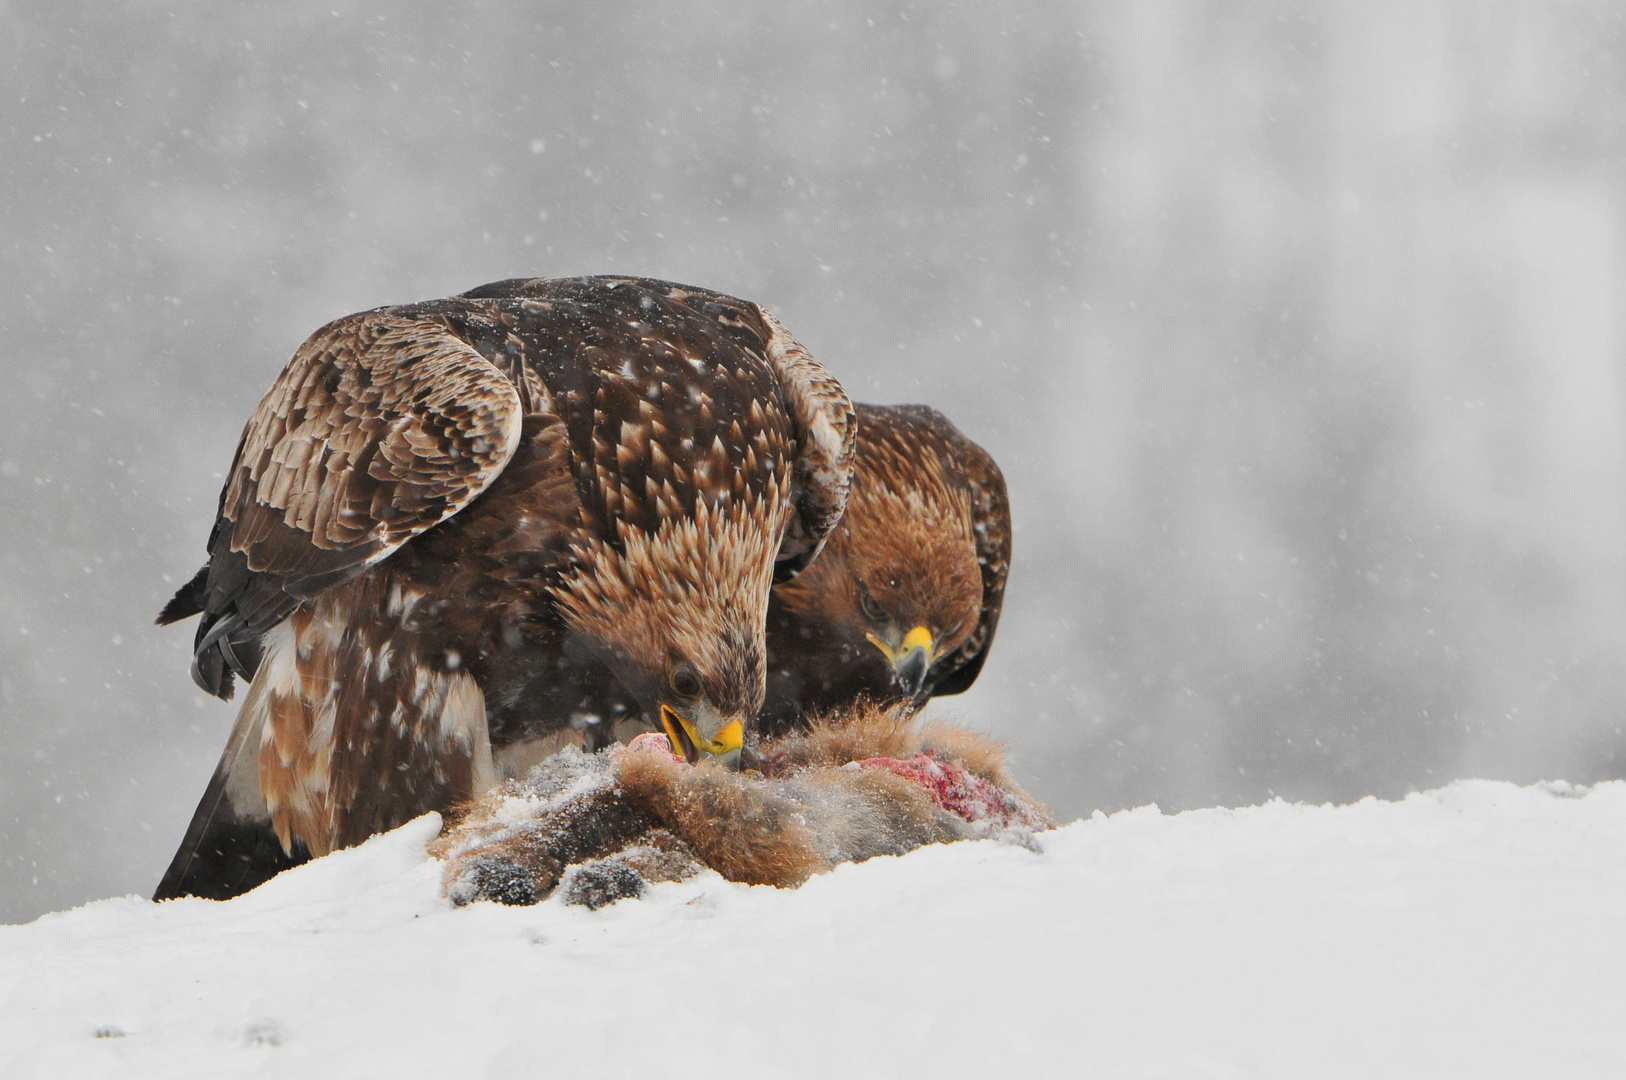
[(904, 601), (453, 528), (873, 783)]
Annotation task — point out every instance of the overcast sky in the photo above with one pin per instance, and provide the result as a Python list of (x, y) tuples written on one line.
[(1296, 328)]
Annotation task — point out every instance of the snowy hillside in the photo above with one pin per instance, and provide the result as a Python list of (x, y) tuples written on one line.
[(1479, 931)]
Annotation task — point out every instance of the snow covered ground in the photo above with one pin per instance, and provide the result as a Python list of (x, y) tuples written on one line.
[(1479, 930)]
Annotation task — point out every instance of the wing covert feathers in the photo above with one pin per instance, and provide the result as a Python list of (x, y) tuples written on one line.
[(379, 428), (827, 433)]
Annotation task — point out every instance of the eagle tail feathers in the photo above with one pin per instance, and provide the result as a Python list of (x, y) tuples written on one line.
[(230, 846)]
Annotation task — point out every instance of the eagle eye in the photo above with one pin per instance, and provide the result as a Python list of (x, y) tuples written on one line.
[(872, 611), (685, 683)]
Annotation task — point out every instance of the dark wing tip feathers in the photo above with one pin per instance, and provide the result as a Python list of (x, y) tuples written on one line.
[(960, 679), (187, 601), (991, 509), (224, 854), (789, 567)]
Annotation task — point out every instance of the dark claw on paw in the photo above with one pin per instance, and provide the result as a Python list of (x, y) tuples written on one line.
[(597, 884), (502, 881)]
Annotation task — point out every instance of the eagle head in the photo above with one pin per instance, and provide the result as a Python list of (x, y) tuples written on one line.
[(679, 616), (898, 583)]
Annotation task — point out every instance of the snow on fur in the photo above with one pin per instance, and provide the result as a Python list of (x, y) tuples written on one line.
[(875, 783), (1479, 930)]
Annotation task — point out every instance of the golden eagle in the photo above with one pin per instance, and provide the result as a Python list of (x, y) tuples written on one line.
[(904, 600), (451, 525)]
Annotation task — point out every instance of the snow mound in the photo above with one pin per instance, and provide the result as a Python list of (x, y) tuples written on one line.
[(1478, 930)]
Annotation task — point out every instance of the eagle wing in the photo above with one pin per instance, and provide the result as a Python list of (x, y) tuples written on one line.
[(827, 436), (991, 528), (539, 400), (380, 427)]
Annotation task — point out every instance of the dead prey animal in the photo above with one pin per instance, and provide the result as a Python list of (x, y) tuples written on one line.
[(604, 826)]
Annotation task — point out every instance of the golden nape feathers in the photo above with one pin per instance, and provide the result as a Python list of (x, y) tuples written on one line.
[(905, 599), (875, 782), (455, 529)]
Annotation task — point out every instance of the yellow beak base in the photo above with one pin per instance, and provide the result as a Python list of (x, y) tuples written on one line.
[(918, 638), (912, 657), (686, 739)]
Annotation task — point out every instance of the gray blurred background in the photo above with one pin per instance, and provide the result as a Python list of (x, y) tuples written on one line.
[(1294, 326)]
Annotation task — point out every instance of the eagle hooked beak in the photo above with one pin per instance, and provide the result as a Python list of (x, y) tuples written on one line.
[(910, 659), (724, 747)]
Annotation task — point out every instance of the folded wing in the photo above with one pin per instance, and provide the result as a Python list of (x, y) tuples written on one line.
[(380, 427)]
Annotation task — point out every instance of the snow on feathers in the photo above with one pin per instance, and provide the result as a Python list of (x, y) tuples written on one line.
[(538, 500), (904, 602)]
